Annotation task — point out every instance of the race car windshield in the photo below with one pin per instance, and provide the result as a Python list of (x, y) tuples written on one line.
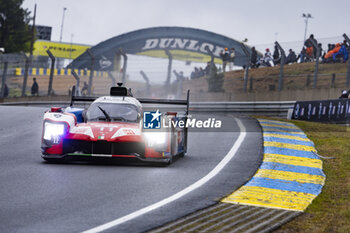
[(112, 112)]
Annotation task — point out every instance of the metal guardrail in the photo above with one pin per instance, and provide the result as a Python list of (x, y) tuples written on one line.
[(268, 108), (249, 106)]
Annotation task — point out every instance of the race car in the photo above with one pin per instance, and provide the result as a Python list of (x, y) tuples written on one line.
[(114, 126)]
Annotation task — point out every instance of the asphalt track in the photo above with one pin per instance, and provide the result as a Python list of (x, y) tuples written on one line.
[(39, 197)]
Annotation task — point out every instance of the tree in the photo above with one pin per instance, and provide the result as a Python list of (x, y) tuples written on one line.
[(15, 32)]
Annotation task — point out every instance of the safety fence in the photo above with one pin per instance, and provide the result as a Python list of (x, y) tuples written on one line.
[(18, 70), (259, 83), (284, 78)]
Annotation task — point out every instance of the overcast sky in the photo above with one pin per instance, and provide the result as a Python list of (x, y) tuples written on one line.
[(261, 21)]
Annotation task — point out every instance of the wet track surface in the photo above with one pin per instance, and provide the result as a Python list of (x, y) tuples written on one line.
[(39, 197)]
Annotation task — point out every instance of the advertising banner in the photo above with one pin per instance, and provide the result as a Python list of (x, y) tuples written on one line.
[(58, 49), (185, 44)]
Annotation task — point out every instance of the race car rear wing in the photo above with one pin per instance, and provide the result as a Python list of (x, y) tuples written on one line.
[(82, 98), (142, 100), (166, 101)]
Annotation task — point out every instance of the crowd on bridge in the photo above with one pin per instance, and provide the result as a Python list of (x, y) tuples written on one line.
[(200, 72)]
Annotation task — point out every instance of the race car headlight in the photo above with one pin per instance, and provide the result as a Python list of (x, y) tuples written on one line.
[(155, 138), (53, 131)]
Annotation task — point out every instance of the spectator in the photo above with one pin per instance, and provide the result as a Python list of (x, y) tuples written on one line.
[(85, 89), (302, 55), (276, 53), (197, 73), (336, 53), (207, 68), (341, 54), (253, 58), (35, 88), (328, 57), (309, 53), (194, 73), (179, 76), (325, 57), (225, 56), (268, 58), (291, 58), (344, 94), (310, 47), (201, 72), (330, 47), (232, 58)]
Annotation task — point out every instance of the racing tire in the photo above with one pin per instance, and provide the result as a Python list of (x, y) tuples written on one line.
[(170, 161), (165, 164)]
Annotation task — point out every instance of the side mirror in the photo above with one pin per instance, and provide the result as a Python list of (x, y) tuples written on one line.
[(138, 117)]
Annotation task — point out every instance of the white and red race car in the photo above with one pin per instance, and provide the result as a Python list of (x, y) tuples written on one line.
[(113, 126)]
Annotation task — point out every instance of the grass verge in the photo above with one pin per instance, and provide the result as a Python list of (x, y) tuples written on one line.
[(330, 211)]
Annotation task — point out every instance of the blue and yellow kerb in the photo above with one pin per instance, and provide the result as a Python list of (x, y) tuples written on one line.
[(290, 176)]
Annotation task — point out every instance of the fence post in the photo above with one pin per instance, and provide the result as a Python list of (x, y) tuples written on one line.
[(91, 70), (348, 72), (53, 59), (4, 79), (148, 86), (251, 83), (125, 64), (170, 57), (211, 56), (308, 77), (281, 76), (246, 70), (215, 81), (28, 61), (318, 51), (110, 75), (25, 78), (333, 81), (211, 75), (77, 89), (179, 78)]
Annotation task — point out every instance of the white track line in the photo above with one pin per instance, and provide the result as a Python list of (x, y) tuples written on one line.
[(183, 192)]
